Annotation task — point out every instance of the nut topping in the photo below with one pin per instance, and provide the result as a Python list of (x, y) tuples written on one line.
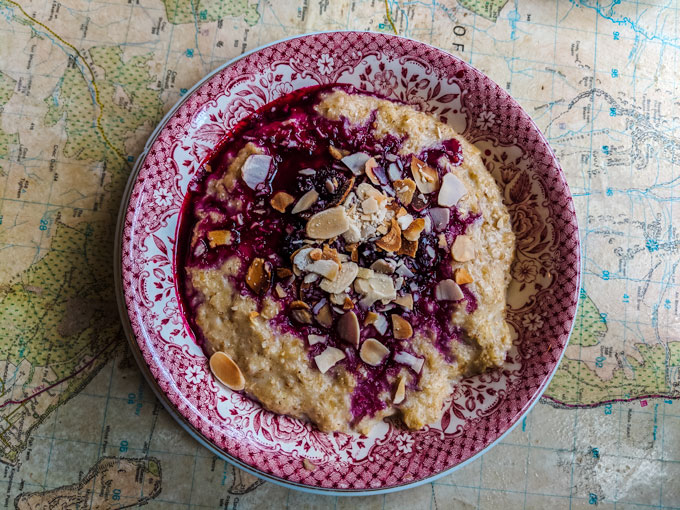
[(400, 392), (412, 233), (305, 202), (329, 223), (281, 200), (451, 192), (405, 301), (258, 276), (316, 339), (348, 328), (328, 358), (219, 238), (309, 466), (283, 272), (392, 240), (463, 249), (346, 275), (348, 304), (326, 268), (227, 371), (331, 254), (324, 316), (300, 312), (355, 162), (401, 328), (379, 286), (373, 352), (448, 290), (440, 217), (315, 254), (405, 188), (336, 153), (408, 248), (370, 318), (345, 189), (426, 177), (280, 291), (408, 359), (369, 166), (383, 266), (255, 169), (462, 276)]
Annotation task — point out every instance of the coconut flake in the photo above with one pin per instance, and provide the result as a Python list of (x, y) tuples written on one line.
[(406, 358), (356, 162), (440, 217), (451, 192), (316, 339), (328, 358), (255, 169), (448, 290)]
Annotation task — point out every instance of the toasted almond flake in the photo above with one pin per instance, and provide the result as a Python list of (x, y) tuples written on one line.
[(408, 248), (258, 276), (219, 238), (405, 188), (373, 352), (383, 266), (331, 254), (348, 328), (336, 153), (326, 268), (327, 224), (310, 277), (300, 311), (462, 276), (255, 169), (280, 291), (448, 290), (338, 299), (316, 339), (401, 212), (309, 466), (370, 318), (227, 371), (392, 240), (283, 272), (401, 328), (405, 301), (355, 255), (281, 200), (412, 233), (365, 273), (400, 392), (425, 177), (346, 275), (348, 304), (305, 202), (369, 167), (328, 358), (324, 316), (463, 249), (252, 315), (356, 162), (408, 359), (315, 254), (379, 286), (451, 192)]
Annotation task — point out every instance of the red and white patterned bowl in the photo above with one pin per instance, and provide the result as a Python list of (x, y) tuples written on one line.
[(542, 296)]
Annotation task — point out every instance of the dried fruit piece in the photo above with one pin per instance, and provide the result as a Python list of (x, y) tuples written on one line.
[(373, 352), (405, 301), (392, 240), (316, 339), (219, 238), (281, 200), (401, 328), (426, 177), (451, 192), (408, 248), (328, 358), (348, 328), (405, 188), (462, 276), (258, 276), (463, 249), (408, 359), (305, 202), (346, 275), (255, 169), (448, 290), (299, 311), (412, 233), (227, 371), (329, 223), (369, 166), (400, 392), (324, 316)]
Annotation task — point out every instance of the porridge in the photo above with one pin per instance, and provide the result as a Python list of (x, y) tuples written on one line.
[(344, 258)]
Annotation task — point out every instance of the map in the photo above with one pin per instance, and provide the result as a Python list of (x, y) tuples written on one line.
[(84, 82)]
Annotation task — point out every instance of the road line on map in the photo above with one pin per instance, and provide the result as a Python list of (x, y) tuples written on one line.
[(94, 85), (605, 402), (389, 17)]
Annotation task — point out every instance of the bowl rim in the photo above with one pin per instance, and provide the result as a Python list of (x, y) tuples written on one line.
[(163, 398)]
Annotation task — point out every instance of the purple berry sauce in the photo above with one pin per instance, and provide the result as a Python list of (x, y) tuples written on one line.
[(296, 137)]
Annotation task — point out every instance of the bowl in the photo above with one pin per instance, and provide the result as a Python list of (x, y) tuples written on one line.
[(542, 296)]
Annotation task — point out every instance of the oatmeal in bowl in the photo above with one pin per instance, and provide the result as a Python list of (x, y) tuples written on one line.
[(343, 258)]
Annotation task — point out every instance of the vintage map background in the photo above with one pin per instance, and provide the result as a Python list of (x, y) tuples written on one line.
[(83, 83)]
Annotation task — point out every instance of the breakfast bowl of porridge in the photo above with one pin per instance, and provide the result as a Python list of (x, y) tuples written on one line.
[(325, 271)]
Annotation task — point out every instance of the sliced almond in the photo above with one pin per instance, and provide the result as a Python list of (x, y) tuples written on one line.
[(442, 242), (344, 279), (380, 324), (281, 200), (299, 310), (451, 192), (412, 233), (401, 212), (258, 276), (462, 276), (227, 371), (405, 221), (329, 253), (255, 169), (219, 238), (408, 359), (405, 188), (326, 268), (408, 248), (369, 166), (328, 358), (405, 301), (305, 202), (370, 205), (324, 316), (329, 223), (378, 287), (401, 328), (315, 254), (373, 352), (370, 318), (392, 240), (280, 291), (355, 162), (448, 290), (426, 177), (348, 328), (336, 153), (316, 339), (383, 266), (348, 304), (400, 392), (365, 273), (463, 249)]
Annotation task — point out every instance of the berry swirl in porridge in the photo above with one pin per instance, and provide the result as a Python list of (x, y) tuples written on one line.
[(344, 258)]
